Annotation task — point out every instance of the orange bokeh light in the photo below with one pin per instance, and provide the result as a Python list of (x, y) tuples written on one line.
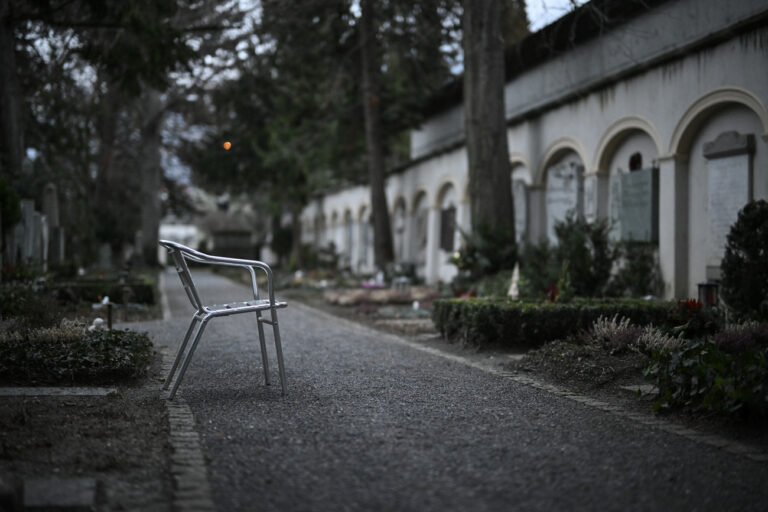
[(227, 145)]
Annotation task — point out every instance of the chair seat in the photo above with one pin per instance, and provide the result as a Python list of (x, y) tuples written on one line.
[(242, 307)]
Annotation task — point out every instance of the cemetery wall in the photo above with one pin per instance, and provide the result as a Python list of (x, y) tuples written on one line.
[(662, 87)]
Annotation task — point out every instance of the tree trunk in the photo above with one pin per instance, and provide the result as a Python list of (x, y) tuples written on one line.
[(490, 187), (11, 99), (152, 119), (382, 233)]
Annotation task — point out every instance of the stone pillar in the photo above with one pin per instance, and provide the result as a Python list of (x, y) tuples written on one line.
[(537, 214), (673, 225), (433, 241)]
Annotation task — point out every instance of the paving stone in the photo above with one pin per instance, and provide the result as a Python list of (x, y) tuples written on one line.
[(58, 391), (59, 493)]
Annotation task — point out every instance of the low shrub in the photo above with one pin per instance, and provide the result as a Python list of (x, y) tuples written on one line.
[(742, 336), (27, 307), (526, 324), (69, 354), (704, 377), (94, 291)]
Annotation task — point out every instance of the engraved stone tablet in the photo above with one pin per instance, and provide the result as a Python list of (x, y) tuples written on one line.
[(564, 194), (729, 191), (638, 212)]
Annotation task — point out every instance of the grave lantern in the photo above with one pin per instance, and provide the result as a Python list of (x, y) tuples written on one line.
[(708, 293)]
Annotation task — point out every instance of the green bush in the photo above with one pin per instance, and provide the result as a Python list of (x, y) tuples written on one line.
[(639, 274), (483, 322), (589, 253), (745, 265), (94, 291), (69, 354), (26, 307), (702, 376)]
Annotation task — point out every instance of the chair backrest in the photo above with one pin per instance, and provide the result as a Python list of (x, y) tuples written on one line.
[(179, 253)]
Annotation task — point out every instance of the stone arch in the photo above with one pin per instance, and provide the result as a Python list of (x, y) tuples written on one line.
[(399, 200), (362, 209), (421, 194), (556, 150), (616, 134), (698, 113), (516, 159), (446, 184)]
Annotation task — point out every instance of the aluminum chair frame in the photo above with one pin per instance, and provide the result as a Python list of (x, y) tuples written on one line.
[(203, 314)]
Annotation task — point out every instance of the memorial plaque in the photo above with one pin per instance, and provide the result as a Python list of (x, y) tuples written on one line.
[(638, 212), (564, 194), (729, 191)]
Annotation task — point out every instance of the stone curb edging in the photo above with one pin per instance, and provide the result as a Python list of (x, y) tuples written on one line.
[(191, 489), (191, 492), (727, 445)]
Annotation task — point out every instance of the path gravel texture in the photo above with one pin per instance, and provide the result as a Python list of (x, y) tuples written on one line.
[(370, 423)]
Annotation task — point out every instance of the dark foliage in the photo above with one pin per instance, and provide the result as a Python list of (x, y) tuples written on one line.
[(639, 274), (97, 357), (27, 307), (590, 254), (703, 377), (485, 322), (745, 265)]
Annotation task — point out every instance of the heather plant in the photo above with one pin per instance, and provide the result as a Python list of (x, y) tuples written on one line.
[(615, 334), (653, 340), (742, 336)]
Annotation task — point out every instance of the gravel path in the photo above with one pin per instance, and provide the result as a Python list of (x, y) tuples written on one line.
[(373, 424)]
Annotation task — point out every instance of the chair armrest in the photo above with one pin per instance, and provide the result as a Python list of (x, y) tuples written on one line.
[(210, 259)]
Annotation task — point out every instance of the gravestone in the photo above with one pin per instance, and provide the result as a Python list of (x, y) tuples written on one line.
[(105, 256), (55, 246), (639, 209), (27, 229), (51, 205), (564, 194), (729, 164)]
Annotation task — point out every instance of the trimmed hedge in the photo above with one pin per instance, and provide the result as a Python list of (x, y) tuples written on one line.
[(68, 354), (482, 322)]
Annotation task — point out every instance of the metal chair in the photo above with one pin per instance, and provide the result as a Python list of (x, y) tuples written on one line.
[(180, 255)]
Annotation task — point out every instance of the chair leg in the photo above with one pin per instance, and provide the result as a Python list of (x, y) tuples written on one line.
[(279, 350), (188, 357), (180, 352), (264, 359)]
